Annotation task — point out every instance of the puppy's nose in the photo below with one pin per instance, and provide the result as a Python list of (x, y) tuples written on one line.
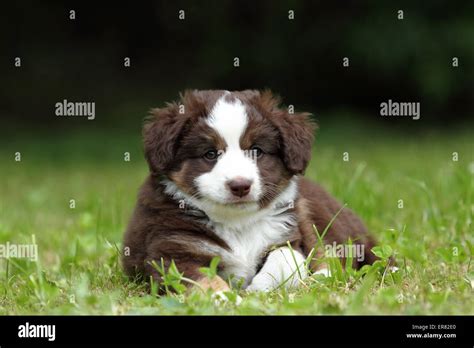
[(239, 186)]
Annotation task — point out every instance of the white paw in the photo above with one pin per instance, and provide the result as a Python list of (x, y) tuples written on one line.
[(284, 267), (262, 282)]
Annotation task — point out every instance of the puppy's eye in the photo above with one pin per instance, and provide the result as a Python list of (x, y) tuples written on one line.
[(211, 155), (256, 151)]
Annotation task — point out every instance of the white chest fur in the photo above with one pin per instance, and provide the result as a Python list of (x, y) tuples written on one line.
[(249, 233), (249, 242)]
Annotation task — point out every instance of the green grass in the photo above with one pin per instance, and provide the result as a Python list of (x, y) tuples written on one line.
[(78, 271)]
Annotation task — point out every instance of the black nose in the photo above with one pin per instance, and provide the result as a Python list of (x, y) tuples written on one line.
[(239, 186)]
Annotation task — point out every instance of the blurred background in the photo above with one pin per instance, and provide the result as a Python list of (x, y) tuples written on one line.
[(407, 60)]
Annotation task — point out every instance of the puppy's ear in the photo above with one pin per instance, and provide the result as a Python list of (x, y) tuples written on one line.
[(296, 131), (164, 128), (161, 133)]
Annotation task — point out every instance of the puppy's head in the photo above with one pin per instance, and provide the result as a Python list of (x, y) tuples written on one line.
[(228, 149)]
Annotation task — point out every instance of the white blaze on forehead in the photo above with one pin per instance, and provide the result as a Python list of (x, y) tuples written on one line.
[(229, 120)]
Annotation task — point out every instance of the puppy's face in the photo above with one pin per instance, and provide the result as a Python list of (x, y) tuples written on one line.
[(228, 149)]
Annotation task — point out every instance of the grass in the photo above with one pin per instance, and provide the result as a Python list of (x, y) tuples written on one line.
[(78, 271)]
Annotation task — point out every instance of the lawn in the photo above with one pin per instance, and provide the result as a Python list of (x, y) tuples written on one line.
[(412, 195)]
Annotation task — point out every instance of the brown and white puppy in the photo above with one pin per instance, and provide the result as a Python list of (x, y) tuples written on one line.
[(226, 180)]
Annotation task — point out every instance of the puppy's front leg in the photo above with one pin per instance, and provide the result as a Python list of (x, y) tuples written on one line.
[(281, 266)]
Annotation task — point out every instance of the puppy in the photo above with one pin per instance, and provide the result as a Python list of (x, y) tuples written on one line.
[(226, 179)]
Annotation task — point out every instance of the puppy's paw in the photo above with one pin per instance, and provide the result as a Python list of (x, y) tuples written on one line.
[(283, 267), (216, 284), (262, 282)]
